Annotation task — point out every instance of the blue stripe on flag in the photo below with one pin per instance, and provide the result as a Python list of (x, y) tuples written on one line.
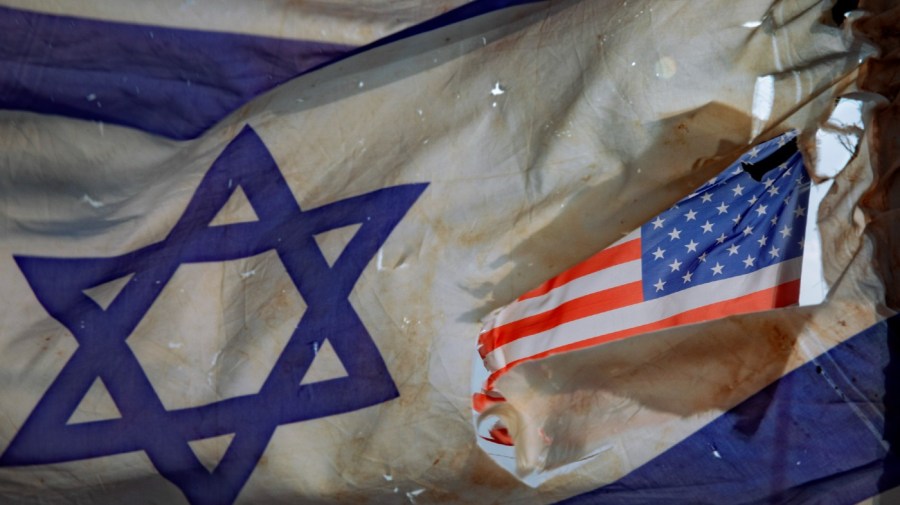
[(815, 436), (171, 82), (462, 13)]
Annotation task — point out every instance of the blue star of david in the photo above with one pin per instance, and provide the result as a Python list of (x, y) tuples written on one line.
[(145, 424)]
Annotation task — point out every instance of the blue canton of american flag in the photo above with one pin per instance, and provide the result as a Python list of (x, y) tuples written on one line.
[(733, 246), (733, 225)]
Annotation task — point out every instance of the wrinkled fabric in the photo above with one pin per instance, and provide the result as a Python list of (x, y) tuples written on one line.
[(606, 402), (544, 132)]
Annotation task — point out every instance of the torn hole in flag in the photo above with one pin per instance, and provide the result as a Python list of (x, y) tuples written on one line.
[(746, 241)]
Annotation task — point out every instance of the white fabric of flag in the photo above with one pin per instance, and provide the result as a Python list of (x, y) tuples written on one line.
[(246, 247)]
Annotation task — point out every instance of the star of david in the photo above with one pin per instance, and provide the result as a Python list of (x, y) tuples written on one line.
[(145, 424)]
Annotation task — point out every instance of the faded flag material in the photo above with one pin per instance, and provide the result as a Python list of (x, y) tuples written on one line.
[(634, 287), (246, 247), (734, 245)]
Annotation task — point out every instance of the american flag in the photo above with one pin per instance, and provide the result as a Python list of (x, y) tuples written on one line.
[(733, 246)]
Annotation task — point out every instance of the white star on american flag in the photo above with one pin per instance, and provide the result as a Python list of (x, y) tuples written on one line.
[(687, 277), (774, 252), (658, 222), (748, 262), (691, 246), (675, 233), (659, 285), (659, 253), (707, 226), (722, 208), (738, 190), (733, 249), (716, 270), (675, 265), (691, 215)]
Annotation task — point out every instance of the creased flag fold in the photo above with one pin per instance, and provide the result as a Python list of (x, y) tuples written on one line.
[(246, 247), (734, 245)]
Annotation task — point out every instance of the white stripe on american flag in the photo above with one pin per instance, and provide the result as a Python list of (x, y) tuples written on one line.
[(643, 313), (613, 276), (631, 236), (617, 265)]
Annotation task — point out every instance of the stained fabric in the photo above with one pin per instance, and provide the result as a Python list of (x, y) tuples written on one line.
[(267, 288)]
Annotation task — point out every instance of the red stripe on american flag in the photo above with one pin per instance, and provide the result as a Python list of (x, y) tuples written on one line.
[(617, 254), (588, 305), (500, 435), (782, 295), (481, 401)]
